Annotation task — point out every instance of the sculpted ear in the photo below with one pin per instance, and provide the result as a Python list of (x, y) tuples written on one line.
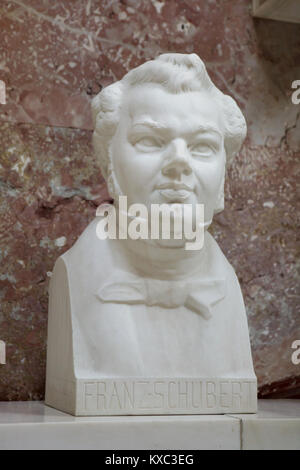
[(235, 133), (105, 110)]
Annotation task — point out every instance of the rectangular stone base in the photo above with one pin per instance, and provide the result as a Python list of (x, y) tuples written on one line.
[(149, 396), (32, 425)]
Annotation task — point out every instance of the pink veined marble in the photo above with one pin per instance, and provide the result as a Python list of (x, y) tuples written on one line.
[(54, 59)]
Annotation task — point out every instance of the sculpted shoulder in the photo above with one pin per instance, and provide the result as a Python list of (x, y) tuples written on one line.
[(219, 260), (88, 254)]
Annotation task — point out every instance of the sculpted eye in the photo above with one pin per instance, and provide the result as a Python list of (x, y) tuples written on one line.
[(148, 143), (201, 149)]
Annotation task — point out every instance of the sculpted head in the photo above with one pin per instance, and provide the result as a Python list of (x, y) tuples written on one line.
[(164, 134)]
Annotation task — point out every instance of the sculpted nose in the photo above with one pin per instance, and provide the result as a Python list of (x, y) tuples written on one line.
[(178, 160)]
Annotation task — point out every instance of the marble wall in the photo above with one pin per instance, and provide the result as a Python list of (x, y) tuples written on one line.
[(54, 57)]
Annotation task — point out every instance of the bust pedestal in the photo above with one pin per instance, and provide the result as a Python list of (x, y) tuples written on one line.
[(32, 425)]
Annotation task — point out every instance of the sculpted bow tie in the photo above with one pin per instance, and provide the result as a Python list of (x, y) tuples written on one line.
[(199, 296)]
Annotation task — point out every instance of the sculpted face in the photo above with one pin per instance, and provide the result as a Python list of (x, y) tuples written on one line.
[(169, 148)]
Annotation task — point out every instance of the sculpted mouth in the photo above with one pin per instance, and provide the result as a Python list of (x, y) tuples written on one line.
[(175, 195), (175, 192), (175, 186)]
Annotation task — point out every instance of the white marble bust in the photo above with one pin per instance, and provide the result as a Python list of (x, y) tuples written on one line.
[(145, 326)]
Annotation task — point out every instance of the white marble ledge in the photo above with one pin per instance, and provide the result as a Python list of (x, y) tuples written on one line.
[(276, 426), (32, 425)]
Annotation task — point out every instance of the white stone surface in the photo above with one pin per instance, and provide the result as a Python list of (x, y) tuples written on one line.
[(275, 427), (32, 425), (144, 326)]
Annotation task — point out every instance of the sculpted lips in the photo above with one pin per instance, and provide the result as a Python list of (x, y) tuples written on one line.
[(174, 191)]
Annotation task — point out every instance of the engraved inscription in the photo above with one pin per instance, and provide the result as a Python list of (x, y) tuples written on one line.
[(175, 394)]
